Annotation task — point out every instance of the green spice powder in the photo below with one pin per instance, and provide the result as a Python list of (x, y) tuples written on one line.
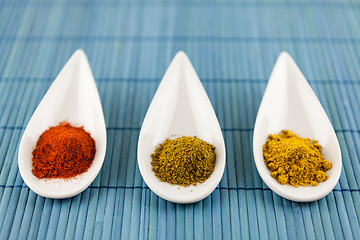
[(183, 161)]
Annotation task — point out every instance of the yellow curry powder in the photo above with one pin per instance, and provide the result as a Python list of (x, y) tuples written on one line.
[(295, 161)]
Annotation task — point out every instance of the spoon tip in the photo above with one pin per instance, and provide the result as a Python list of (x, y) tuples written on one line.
[(284, 54), (180, 59), (79, 52), (284, 59), (180, 54)]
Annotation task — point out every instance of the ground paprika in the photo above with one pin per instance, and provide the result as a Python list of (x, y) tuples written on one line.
[(63, 151)]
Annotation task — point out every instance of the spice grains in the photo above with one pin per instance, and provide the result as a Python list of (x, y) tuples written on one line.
[(295, 161), (183, 161), (63, 151)]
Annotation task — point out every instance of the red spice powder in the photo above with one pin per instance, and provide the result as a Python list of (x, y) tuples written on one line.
[(63, 151)]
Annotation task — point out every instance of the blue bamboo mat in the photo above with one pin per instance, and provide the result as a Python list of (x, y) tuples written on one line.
[(233, 46)]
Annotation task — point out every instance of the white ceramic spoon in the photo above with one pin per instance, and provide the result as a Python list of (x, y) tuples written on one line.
[(180, 107), (289, 103), (72, 97)]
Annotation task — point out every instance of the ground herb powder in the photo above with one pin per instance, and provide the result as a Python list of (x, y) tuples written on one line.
[(183, 161), (63, 151), (295, 161)]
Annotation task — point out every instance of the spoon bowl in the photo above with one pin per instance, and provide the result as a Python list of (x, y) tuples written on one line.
[(180, 107), (289, 103), (72, 97)]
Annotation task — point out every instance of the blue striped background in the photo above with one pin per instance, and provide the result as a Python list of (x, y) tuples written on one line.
[(233, 46)]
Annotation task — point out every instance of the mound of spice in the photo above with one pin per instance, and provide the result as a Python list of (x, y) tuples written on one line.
[(183, 161), (63, 151), (295, 161)]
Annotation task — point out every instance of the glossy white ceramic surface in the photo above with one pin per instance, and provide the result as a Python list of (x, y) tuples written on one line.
[(73, 97), (289, 103), (180, 107)]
